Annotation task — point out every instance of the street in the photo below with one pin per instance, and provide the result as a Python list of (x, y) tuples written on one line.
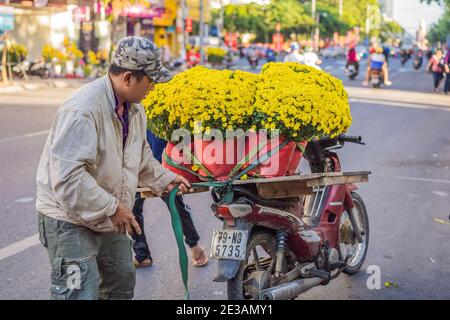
[(407, 197)]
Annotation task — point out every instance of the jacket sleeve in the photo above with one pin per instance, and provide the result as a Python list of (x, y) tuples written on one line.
[(152, 174), (73, 153)]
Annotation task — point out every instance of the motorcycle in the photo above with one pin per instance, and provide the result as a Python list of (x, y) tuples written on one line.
[(376, 78), (26, 68), (279, 249), (352, 71), (418, 61), (271, 56)]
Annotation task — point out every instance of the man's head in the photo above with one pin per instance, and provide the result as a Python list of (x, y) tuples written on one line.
[(135, 68)]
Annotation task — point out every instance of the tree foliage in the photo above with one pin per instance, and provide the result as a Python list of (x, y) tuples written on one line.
[(441, 29)]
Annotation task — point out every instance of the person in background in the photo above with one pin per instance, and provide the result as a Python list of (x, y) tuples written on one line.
[(311, 58), (436, 66), (295, 54), (377, 61), (142, 255), (447, 72), (352, 58)]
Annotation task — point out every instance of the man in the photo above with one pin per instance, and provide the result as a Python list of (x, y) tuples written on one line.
[(295, 54), (377, 61), (311, 58), (95, 156), (447, 72), (142, 254)]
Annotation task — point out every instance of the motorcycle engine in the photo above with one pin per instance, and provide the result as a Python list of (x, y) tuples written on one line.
[(327, 259)]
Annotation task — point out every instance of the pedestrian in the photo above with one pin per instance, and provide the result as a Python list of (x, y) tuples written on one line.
[(142, 254), (447, 72), (95, 156), (436, 66), (295, 55)]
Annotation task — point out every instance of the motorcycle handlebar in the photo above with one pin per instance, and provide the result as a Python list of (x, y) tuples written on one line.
[(351, 139)]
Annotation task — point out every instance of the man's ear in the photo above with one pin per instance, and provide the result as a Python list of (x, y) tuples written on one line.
[(127, 78)]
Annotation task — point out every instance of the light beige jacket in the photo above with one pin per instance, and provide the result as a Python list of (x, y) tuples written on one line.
[(84, 171)]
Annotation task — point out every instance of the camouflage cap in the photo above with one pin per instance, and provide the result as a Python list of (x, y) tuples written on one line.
[(138, 53)]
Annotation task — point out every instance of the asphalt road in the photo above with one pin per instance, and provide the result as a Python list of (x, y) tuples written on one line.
[(408, 151)]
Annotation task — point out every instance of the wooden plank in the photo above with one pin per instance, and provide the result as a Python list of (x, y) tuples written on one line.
[(344, 179), (283, 189), (301, 185), (302, 177), (297, 177), (147, 193)]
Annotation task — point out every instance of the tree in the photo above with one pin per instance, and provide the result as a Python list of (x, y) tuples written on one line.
[(261, 19), (441, 29)]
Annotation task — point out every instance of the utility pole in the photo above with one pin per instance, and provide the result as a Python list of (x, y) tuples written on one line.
[(183, 25), (313, 16), (202, 29), (341, 8), (313, 9), (222, 18), (317, 35)]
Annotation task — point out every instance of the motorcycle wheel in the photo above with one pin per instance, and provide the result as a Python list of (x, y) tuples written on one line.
[(263, 243), (347, 241)]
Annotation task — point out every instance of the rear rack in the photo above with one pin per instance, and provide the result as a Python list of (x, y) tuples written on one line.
[(288, 186)]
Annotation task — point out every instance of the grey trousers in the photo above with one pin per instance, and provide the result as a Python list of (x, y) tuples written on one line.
[(87, 265)]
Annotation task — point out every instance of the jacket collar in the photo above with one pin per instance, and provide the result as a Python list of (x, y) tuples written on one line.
[(134, 108)]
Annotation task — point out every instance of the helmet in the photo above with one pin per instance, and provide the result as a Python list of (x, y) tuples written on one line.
[(295, 46)]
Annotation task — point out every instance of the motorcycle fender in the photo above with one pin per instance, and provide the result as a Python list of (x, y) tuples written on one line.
[(227, 269)]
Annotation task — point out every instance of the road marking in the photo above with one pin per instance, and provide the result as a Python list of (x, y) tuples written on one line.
[(441, 221), (415, 179), (19, 246), (398, 104), (27, 135), (24, 200), (440, 193)]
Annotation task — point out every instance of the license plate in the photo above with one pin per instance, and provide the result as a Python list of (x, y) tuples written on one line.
[(229, 244)]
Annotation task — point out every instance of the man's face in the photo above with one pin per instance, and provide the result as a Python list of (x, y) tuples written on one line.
[(137, 90)]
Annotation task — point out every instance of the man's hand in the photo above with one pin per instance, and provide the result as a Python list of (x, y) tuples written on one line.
[(184, 185), (123, 220)]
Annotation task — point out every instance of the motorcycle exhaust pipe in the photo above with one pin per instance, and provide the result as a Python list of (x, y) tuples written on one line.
[(287, 291)]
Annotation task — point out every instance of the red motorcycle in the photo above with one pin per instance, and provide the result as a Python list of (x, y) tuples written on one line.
[(278, 249)]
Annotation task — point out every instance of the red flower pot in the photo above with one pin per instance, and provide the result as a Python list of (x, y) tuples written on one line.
[(219, 157), (296, 158), (176, 154), (277, 165)]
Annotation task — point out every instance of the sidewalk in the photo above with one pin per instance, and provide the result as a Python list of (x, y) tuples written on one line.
[(418, 98), (36, 84)]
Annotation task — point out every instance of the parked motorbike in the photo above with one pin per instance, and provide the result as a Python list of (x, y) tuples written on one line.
[(26, 68), (352, 71), (279, 249)]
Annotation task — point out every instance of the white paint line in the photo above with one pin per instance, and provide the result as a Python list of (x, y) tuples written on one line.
[(415, 179), (440, 193), (24, 200), (19, 246), (27, 135), (399, 104)]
